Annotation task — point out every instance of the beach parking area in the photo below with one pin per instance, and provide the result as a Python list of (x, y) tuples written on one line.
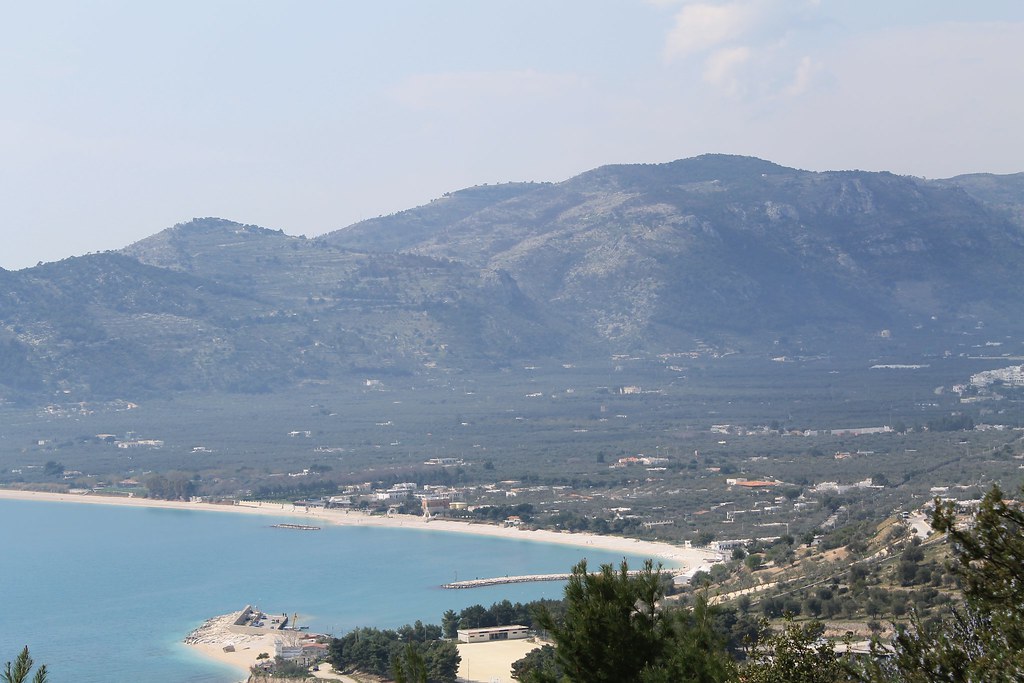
[(492, 662)]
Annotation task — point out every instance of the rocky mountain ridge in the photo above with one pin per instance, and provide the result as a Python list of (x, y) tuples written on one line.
[(721, 250)]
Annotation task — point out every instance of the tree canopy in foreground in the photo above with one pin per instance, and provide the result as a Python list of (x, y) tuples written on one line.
[(614, 631), (18, 671)]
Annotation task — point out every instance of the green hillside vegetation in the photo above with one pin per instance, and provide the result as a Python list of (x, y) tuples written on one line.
[(613, 628), (561, 450), (859, 579)]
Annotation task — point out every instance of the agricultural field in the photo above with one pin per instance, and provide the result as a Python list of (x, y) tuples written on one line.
[(645, 446)]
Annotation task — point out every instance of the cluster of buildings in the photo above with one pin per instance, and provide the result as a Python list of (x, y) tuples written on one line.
[(303, 650), (433, 499), (141, 443), (835, 487), (1012, 376), (640, 459), (851, 431), (735, 430)]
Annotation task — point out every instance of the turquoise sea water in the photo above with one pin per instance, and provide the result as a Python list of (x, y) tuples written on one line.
[(106, 594)]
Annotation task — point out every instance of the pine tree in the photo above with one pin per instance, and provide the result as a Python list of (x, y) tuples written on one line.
[(984, 639), (614, 632), (19, 671), (450, 623), (611, 627), (798, 653)]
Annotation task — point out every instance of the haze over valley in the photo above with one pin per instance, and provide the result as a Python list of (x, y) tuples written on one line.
[(320, 319), (638, 336)]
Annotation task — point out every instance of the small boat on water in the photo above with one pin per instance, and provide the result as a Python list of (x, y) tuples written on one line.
[(300, 527)]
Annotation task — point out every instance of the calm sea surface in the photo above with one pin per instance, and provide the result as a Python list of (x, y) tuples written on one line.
[(106, 594)]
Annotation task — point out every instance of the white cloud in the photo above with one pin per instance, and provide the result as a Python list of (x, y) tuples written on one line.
[(701, 27), (929, 100), (806, 70), (721, 67), (747, 47)]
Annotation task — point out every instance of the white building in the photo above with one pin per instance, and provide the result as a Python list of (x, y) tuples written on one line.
[(485, 635)]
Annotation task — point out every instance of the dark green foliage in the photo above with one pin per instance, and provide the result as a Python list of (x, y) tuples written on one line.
[(291, 491), (476, 616), (540, 664), (412, 651), (506, 613), (984, 639), (450, 624), (53, 468), (612, 628), (441, 660), (989, 559), (613, 631), (694, 650), (18, 671), (951, 423), (773, 608), (366, 649), (15, 369), (501, 512), (796, 654), (409, 667), (172, 486), (282, 668)]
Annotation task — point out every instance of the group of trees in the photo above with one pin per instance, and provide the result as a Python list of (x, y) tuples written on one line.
[(504, 613), (613, 629), (496, 513), (411, 654), (419, 653), (951, 423), (172, 486), (983, 639)]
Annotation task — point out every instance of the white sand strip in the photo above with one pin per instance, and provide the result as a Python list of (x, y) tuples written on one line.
[(672, 556)]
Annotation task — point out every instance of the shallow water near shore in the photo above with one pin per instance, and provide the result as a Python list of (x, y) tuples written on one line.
[(102, 593)]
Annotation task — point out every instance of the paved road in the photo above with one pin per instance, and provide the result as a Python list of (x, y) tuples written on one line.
[(327, 671), (919, 523)]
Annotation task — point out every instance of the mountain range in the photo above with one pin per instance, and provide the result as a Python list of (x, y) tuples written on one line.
[(715, 251)]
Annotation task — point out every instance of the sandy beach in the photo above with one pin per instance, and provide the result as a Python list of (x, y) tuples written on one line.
[(492, 662), (673, 557), (213, 636)]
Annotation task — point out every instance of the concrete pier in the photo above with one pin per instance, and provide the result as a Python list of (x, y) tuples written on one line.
[(526, 578)]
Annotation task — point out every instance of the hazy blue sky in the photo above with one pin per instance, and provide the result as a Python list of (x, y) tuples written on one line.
[(121, 118)]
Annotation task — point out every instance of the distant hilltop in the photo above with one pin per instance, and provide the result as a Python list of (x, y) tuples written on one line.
[(716, 254)]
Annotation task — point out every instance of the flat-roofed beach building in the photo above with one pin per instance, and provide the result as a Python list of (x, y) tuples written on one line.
[(486, 635)]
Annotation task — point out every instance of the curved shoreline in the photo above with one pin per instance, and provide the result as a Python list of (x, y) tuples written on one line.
[(674, 558), (208, 639)]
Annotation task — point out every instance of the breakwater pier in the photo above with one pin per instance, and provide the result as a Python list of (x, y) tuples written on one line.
[(525, 578)]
